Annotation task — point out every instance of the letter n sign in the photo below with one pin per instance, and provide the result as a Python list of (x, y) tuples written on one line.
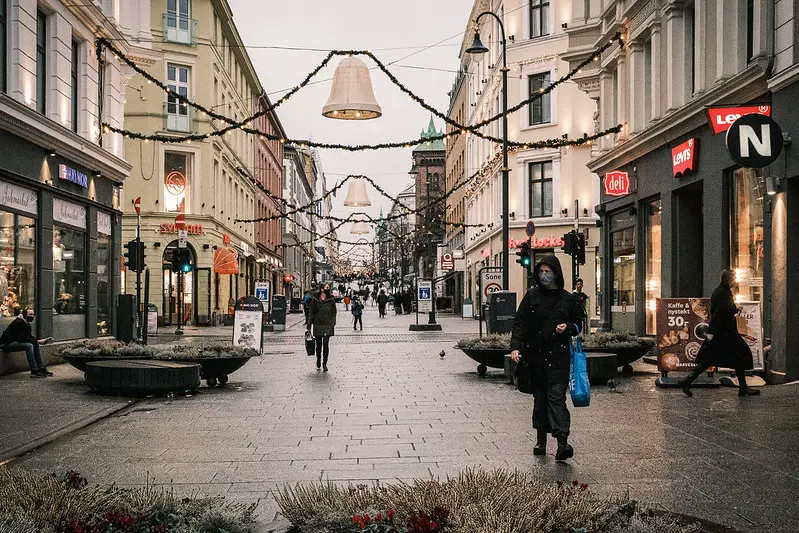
[(754, 141)]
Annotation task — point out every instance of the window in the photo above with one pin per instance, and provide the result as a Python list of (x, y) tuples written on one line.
[(178, 24), (178, 118), (104, 275), (623, 267), (652, 250), (41, 62), (540, 175), (746, 232), (3, 50), (177, 177), (74, 76), (17, 264), (750, 29), (540, 109), (539, 18), (69, 282)]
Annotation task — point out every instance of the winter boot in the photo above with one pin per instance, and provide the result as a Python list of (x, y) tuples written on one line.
[(318, 361), (749, 391), (540, 443), (565, 451)]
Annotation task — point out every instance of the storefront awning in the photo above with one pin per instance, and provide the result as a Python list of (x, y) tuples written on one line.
[(226, 261)]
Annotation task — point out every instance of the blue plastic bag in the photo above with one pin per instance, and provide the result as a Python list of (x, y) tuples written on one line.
[(579, 388)]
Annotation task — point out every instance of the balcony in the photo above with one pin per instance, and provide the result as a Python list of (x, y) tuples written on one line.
[(178, 117), (179, 28)]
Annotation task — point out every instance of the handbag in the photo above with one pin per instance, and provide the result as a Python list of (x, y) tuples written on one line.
[(524, 377), (579, 388), (310, 344)]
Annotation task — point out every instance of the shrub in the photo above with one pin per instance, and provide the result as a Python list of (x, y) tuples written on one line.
[(489, 342), (112, 348), (615, 340)]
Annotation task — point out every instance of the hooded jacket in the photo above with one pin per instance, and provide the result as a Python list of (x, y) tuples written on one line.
[(539, 313), (322, 316)]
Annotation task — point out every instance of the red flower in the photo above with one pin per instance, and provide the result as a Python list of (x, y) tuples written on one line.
[(390, 514), (379, 517), (583, 486)]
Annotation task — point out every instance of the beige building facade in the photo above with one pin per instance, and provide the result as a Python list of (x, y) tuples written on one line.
[(201, 56)]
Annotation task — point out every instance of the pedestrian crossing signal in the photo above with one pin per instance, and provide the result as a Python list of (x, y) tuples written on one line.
[(181, 260)]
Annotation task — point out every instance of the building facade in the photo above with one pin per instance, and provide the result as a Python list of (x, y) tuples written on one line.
[(268, 171), (299, 235), (60, 179), (676, 87), (202, 57), (552, 187), (429, 167), (400, 228)]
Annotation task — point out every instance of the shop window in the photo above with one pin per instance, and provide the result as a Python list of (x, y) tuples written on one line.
[(746, 233), (540, 175), (17, 264), (652, 250), (539, 110), (177, 177), (623, 243), (69, 283), (104, 280), (539, 18)]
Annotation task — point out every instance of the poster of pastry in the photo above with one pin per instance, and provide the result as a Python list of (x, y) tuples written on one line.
[(681, 326), (248, 323), (750, 326)]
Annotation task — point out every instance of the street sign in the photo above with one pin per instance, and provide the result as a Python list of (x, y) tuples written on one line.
[(425, 295), (447, 261), (490, 282), (530, 228), (182, 236), (754, 141), (137, 205), (180, 224), (262, 292)]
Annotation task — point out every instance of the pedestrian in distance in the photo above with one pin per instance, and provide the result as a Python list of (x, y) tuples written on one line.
[(347, 301), (582, 300), (398, 302), (374, 297), (306, 304), (547, 318), (724, 345), (322, 320), (357, 314), (382, 301), (19, 336)]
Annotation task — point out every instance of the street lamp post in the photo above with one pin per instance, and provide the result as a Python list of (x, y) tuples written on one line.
[(479, 48), (430, 260)]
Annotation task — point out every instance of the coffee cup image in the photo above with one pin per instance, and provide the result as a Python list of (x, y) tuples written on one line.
[(701, 330)]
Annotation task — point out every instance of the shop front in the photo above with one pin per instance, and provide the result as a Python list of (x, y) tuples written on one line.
[(59, 242)]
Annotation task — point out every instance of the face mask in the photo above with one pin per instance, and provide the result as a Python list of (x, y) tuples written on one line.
[(546, 278), (327, 292), (29, 318)]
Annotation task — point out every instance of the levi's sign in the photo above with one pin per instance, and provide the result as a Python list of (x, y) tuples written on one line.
[(617, 183), (683, 157), (721, 118)]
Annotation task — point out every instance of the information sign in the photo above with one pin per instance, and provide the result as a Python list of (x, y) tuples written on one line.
[(681, 326), (425, 295), (750, 326)]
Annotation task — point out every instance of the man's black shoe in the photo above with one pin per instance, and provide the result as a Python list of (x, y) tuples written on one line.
[(540, 448), (324, 368), (686, 389), (318, 363), (748, 392), (38, 374), (565, 451), (45, 372)]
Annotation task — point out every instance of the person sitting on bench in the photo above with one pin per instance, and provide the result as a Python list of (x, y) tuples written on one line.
[(18, 336)]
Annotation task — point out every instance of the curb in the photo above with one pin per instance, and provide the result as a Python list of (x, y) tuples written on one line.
[(11, 454)]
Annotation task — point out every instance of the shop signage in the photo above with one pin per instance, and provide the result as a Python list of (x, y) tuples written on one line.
[(681, 325), (69, 213), (424, 296), (248, 323), (617, 183), (684, 157), (191, 229), (70, 174), (546, 242), (103, 223), (721, 118), (750, 326), (175, 183), (754, 141), (447, 261), (19, 198)]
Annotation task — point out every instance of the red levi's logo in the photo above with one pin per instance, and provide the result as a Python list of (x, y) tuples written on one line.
[(683, 157), (721, 118), (617, 183)]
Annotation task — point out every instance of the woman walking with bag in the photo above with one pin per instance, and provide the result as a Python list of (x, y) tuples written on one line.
[(723, 346), (546, 320), (322, 318), (357, 314)]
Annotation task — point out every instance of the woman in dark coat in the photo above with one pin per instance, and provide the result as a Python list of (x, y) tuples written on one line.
[(723, 346), (382, 301), (547, 318), (322, 317)]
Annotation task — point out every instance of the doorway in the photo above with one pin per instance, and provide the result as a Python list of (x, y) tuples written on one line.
[(177, 288), (689, 242)]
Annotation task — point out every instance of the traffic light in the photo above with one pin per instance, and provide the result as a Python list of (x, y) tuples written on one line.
[(580, 252), (131, 256), (181, 260), (140, 257), (523, 255), (569, 243)]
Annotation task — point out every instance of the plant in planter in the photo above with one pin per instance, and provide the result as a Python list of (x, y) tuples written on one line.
[(487, 351), (627, 347)]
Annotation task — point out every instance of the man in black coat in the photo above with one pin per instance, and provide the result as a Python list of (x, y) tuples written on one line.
[(723, 346), (547, 318), (19, 336)]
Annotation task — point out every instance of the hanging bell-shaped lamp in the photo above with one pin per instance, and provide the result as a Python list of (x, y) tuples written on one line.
[(359, 228), (356, 195), (351, 96)]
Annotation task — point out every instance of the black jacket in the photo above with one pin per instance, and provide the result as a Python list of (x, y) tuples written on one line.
[(728, 348), (539, 313), (322, 316), (19, 330)]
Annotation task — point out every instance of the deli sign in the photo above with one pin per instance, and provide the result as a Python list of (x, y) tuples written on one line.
[(617, 183), (721, 118), (684, 157)]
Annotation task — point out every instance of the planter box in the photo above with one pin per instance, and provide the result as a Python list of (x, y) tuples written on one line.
[(494, 358)]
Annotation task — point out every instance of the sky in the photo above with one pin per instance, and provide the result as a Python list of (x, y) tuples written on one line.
[(405, 27)]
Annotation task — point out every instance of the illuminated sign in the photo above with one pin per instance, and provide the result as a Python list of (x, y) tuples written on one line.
[(721, 118), (191, 229), (175, 183), (70, 174), (683, 157), (617, 183)]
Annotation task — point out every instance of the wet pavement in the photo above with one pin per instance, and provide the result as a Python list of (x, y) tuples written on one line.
[(391, 408)]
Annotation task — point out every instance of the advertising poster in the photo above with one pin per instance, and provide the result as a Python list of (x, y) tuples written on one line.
[(750, 326), (248, 323), (681, 326)]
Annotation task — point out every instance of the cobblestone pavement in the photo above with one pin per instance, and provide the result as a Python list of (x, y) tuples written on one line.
[(391, 408)]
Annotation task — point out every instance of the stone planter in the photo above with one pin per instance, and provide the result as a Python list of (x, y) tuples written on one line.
[(487, 357), (80, 362)]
